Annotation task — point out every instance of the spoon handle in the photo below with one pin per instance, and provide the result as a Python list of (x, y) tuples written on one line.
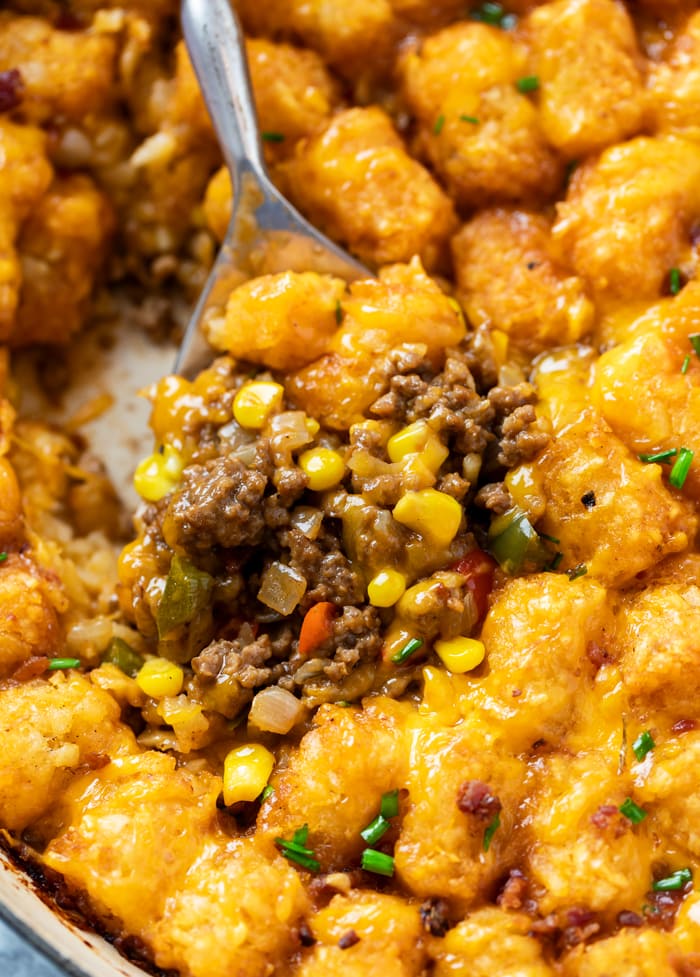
[(217, 49)]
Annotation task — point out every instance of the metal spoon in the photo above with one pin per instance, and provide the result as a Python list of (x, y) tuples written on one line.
[(266, 234)]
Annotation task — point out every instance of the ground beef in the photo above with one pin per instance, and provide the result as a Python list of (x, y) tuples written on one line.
[(11, 89), (494, 497), (217, 504), (356, 638), (325, 567)]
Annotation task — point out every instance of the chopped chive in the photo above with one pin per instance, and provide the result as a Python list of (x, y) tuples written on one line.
[(338, 312), (390, 804), (686, 364), (632, 811), (59, 663), (377, 862), (439, 123), (408, 649), (528, 84), (491, 830), (301, 835), (578, 571), (489, 13), (296, 850), (375, 830), (674, 881), (674, 281), (660, 456), (680, 470), (272, 136), (556, 560), (643, 744), (551, 539), (344, 703), (3, 556), (267, 791), (469, 118), (694, 339)]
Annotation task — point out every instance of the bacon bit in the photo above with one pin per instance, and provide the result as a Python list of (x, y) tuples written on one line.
[(596, 655), (11, 89), (475, 797), (434, 914), (478, 567), (348, 939), (32, 668), (516, 693), (628, 918), (684, 726), (316, 627), (660, 908), (605, 816), (306, 937), (68, 22), (567, 928), (512, 896)]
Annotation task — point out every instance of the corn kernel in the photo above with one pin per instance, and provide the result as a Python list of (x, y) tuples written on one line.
[(323, 467), (247, 770), (433, 514), (386, 588), (312, 426), (460, 655), (418, 438), (159, 677), (158, 474), (255, 401)]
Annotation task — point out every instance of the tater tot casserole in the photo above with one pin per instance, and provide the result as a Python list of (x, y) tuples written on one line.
[(395, 668)]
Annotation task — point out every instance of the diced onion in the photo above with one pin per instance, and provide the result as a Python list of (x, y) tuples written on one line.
[(281, 588), (275, 710), (307, 520)]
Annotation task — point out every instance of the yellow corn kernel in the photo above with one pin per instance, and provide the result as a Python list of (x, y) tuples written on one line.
[(460, 655), (323, 467), (418, 438), (312, 426), (500, 346), (439, 696), (247, 770), (386, 588), (255, 401), (158, 677), (158, 474), (431, 513)]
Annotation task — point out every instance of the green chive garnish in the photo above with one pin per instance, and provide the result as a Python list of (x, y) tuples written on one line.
[(664, 457), (390, 804), (578, 571), (59, 663), (550, 539), (686, 364), (296, 850), (528, 84), (632, 811), (267, 791), (556, 560), (469, 118), (377, 862), (643, 744), (408, 649), (680, 470), (439, 123), (489, 13), (673, 882), (272, 136), (3, 556), (674, 281), (491, 830), (694, 339), (338, 312), (375, 830)]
